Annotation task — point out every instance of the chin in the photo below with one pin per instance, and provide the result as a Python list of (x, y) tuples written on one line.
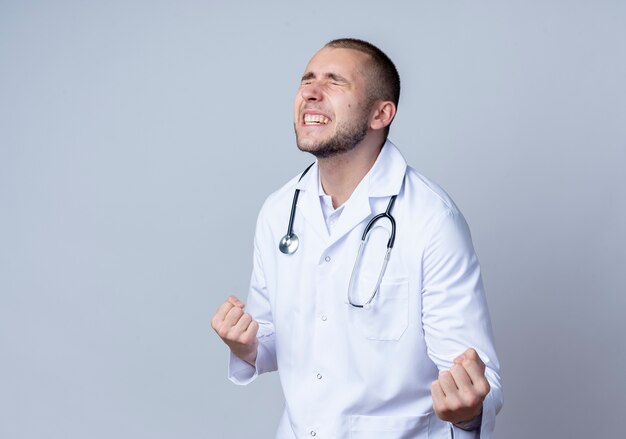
[(308, 144), (307, 147)]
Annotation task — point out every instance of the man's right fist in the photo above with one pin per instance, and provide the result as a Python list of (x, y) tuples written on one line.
[(237, 329)]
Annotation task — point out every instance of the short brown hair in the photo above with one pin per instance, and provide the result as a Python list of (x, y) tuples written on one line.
[(386, 80)]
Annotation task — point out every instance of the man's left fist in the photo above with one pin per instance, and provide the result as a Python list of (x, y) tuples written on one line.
[(459, 393)]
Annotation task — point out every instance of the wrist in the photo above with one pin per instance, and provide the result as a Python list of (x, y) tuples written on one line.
[(247, 354), (250, 358), (471, 424)]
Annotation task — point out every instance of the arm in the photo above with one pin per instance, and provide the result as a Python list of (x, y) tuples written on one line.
[(455, 318), (251, 354)]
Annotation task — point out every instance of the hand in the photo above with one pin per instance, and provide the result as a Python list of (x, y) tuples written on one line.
[(237, 329), (459, 393)]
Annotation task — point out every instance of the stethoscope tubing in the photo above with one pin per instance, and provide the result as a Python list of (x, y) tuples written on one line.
[(290, 243), (385, 214)]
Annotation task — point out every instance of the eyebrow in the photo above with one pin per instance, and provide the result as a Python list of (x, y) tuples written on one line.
[(332, 76)]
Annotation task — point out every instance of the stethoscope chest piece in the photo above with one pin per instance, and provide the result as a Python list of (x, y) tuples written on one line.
[(289, 244)]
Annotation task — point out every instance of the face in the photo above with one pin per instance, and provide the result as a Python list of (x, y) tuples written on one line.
[(331, 109)]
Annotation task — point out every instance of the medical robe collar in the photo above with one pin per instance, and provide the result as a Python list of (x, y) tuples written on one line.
[(383, 180)]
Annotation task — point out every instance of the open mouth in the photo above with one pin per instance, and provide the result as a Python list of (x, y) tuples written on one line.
[(315, 119)]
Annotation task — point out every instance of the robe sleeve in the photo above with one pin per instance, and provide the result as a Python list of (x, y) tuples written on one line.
[(258, 305), (454, 310)]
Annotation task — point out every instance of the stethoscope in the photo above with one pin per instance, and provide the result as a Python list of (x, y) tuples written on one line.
[(290, 243)]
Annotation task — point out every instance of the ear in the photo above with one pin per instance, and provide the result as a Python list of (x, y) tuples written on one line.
[(384, 112)]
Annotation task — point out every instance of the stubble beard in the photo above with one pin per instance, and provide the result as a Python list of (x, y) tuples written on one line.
[(345, 139)]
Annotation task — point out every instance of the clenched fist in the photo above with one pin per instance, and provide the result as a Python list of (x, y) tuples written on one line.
[(237, 329), (459, 393)]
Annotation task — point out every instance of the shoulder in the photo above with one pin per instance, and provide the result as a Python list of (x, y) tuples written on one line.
[(443, 225), (427, 194), (281, 196)]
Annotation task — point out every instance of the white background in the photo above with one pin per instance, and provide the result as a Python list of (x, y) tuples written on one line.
[(138, 140)]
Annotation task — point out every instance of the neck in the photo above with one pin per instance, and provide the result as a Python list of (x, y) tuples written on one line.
[(341, 174)]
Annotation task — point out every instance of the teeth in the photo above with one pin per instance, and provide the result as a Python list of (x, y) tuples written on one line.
[(315, 119)]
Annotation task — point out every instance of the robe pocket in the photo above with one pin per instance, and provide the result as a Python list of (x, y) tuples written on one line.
[(389, 427), (387, 317)]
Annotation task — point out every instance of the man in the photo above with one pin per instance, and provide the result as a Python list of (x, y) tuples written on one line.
[(406, 355)]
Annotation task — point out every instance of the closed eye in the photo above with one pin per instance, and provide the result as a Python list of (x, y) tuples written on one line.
[(332, 78), (336, 79)]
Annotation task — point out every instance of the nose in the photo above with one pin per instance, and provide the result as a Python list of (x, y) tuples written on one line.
[(311, 92)]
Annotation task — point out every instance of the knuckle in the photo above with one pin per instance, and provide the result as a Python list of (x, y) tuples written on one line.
[(484, 388), (452, 406), (457, 370), (223, 331), (246, 339), (471, 356), (469, 360), (234, 314), (470, 399), (447, 378), (441, 407)]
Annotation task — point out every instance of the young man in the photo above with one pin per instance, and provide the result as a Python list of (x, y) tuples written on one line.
[(391, 341)]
